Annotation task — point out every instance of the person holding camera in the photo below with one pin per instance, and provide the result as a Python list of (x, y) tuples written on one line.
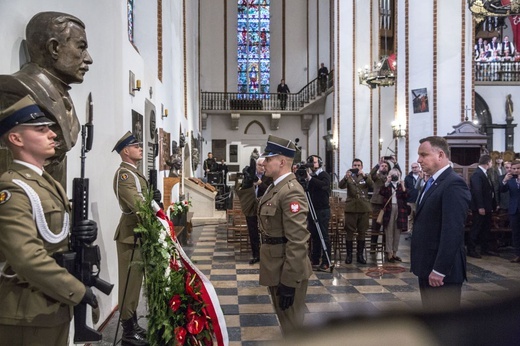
[(378, 174), (36, 293), (357, 208), (511, 183), (395, 218), (318, 186)]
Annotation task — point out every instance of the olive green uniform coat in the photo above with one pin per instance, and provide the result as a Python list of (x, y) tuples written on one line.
[(127, 194), (282, 212), (34, 290)]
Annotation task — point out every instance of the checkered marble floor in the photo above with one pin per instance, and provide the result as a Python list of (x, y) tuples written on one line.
[(350, 290)]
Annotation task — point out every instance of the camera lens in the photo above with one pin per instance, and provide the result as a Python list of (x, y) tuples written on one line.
[(395, 177), (354, 170)]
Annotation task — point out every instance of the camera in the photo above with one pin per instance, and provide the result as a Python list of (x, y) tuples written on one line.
[(301, 172), (394, 177), (354, 170), (514, 176), (387, 158)]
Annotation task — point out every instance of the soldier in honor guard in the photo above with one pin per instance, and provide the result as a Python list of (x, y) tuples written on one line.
[(36, 293), (129, 185), (282, 217)]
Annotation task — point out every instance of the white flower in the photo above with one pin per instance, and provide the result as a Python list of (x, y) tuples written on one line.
[(167, 272)]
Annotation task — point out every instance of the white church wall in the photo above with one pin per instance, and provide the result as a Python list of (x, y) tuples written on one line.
[(108, 80)]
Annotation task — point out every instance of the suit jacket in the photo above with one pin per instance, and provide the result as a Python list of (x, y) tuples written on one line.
[(52, 96), (127, 194), (282, 212), (438, 231), (357, 193), (481, 191), (34, 289), (514, 195)]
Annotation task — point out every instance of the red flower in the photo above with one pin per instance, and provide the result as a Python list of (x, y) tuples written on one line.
[(195, 324), (193, 286), (180, 335), (175, 302)]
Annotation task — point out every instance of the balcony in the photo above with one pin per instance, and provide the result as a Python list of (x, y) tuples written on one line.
[(499, 72), (309, 100)]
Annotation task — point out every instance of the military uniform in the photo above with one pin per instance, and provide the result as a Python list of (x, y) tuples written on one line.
[(282, 218), (34, 290), (128, 192), (357, 212)]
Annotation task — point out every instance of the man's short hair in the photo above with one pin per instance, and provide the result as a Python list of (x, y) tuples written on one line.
[(484, 159), (439, 143), (515, 162), (357, 160)]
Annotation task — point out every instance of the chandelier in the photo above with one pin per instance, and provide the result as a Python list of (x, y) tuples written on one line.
[(383, 73)]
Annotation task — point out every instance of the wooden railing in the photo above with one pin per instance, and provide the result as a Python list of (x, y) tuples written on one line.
[(499, 71), (230, 101)]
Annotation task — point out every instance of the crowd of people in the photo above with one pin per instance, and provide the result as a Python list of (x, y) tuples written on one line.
[(495, 50)]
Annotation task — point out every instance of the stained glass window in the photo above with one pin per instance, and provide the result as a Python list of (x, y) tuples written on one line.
[(253, 38), (130, 15)]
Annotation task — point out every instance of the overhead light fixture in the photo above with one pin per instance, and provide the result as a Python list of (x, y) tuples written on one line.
[(383, 73), (397, 130)]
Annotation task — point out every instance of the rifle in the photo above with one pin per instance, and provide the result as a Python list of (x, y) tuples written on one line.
[(87, 258), (152, 174)]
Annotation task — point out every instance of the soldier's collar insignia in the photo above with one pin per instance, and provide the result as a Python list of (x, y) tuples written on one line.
[(123, 176), (4, 196), (295, 207)]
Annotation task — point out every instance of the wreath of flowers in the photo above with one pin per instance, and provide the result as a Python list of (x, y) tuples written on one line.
[(177, 312), (178, 208)]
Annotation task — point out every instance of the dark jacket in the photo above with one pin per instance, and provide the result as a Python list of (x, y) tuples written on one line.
[(438, 231), (409, 183), (319, 190), (481, 191)]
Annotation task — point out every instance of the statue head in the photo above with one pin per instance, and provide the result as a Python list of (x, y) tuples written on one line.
[(58, 42)]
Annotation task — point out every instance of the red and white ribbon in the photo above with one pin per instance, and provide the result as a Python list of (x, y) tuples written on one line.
[(207, 290)]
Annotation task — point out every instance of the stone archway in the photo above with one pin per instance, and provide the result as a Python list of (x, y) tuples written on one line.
[(485, 119)]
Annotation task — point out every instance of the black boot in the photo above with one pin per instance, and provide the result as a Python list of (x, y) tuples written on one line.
[(360, 252), (138, 328), (131, 336), (348, 260)]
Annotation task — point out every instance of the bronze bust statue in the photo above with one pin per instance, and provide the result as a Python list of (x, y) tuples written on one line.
[(57, 46)]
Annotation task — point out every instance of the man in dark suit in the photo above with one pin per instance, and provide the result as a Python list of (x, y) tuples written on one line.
[(511, 183), (482, 196), (437, 250)]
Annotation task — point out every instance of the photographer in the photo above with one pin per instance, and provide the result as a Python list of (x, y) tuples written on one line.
[(318, 185), (357, 208), (510, 183), (395, 219)]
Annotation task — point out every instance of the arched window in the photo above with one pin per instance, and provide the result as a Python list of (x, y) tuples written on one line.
[(253, 38), (130, 15)]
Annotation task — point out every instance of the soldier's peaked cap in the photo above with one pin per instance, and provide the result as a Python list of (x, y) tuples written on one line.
[(279, 146), (23, 112), (126, 140)]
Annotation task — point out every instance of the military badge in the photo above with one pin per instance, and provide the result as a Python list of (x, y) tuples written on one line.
[(123, 177), (295, 207), (4, 196)]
